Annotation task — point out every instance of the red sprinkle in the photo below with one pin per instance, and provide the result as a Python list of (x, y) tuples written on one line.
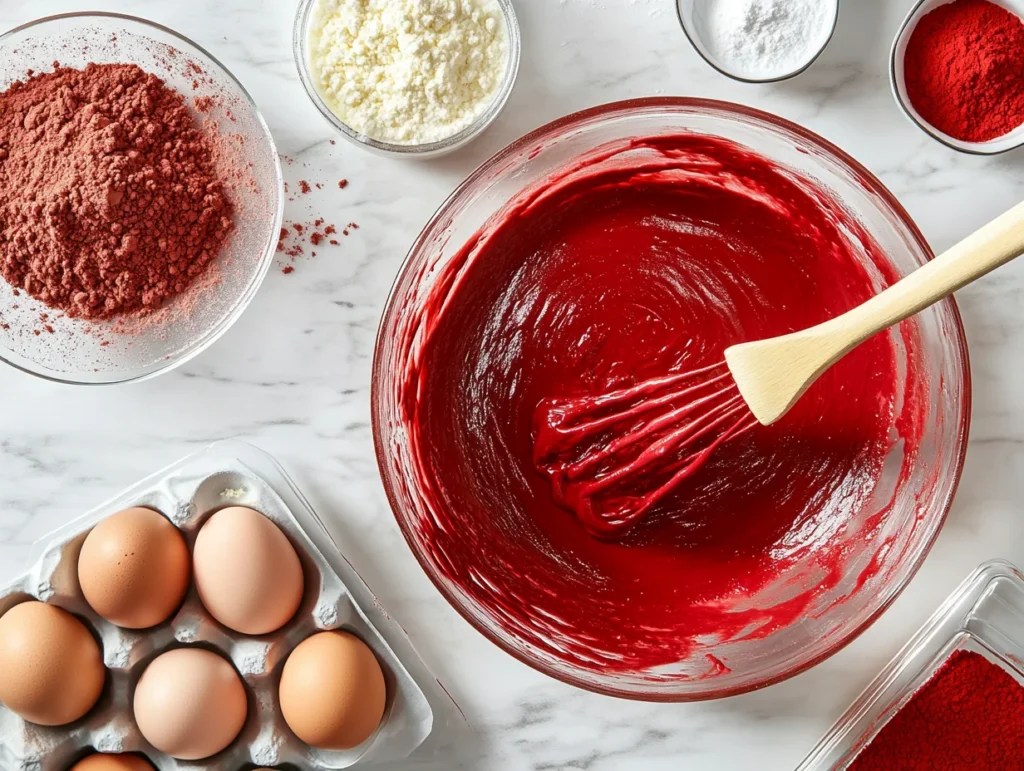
[(968, 717)]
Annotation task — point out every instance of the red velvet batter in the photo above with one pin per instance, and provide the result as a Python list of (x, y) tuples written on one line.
[(645, 260)]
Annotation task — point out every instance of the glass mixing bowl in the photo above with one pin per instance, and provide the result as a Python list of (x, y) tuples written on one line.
[(876, 569), (126, 349)]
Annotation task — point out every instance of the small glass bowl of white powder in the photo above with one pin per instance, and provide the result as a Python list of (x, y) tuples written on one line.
[(411, 78), (759, 41)]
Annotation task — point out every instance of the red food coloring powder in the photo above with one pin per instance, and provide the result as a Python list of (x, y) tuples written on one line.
[(969, 717), (964, 70), (304, 187), (343, 184), (109, 199), (287, 269)]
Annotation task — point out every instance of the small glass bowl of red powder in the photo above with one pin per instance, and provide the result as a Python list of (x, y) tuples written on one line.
[(957, 72), (127, 315), (953, 698)]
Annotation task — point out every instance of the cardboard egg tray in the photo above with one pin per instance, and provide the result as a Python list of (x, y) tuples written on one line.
[(225, 474)]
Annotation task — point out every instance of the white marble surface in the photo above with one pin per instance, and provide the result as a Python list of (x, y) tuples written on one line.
[(293, 374)]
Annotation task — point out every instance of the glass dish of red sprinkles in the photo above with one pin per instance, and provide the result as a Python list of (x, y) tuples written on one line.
[(953, 698)]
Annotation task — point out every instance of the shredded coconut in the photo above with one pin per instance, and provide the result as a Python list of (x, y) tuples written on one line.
[(763, 39), (408, 71)]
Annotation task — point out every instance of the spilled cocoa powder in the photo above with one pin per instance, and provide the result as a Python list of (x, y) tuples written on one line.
[(110, 202)]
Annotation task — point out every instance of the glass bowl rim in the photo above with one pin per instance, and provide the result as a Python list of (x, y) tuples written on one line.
[(557, 128), (246, 298), (417, 151)]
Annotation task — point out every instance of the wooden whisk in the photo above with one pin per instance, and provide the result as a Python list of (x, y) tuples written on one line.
[(611, 457)]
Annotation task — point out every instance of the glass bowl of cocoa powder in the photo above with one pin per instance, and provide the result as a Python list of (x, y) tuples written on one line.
[(141, 198)]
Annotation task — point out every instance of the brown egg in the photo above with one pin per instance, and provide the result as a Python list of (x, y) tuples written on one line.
[(246, 571), (190, 703), (332, 691), (121, 762), (51, 668), (134, 568)]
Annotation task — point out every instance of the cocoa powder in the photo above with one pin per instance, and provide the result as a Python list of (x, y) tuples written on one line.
[(109, 197)]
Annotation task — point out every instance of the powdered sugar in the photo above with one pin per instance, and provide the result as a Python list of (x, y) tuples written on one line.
[(763, 39)]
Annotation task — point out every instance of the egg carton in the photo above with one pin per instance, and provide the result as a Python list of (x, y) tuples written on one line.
[(188, 492)]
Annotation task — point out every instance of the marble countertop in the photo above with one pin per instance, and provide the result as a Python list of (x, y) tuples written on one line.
[(293, 374)]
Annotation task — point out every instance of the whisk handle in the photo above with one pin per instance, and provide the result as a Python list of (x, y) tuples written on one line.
[(773, 374)]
